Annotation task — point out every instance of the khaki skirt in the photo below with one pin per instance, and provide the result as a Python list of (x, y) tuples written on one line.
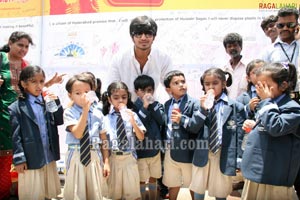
[(256, 191), (211, 178), (84, 182), (39, 183)]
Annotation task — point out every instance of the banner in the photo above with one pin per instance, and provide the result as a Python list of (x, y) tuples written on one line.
[(27, 8), (20, 8)]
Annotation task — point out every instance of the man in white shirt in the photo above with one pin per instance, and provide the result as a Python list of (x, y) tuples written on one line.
[(233, 44), (142, 59)]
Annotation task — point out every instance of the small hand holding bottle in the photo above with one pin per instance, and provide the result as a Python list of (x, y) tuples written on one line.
[(176, 114), (207, 101), (147, 100), (50, 98), (84, 102), (248, 125)]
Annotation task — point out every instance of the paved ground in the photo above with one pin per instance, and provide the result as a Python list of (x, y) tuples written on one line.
[(184, 194)]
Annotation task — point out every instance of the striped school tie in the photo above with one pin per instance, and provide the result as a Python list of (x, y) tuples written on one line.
[(214, 143), (85, 153), (121, 133)]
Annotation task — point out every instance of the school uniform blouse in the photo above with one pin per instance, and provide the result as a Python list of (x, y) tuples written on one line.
[(272, 153), (38, 110), (95, 123), (230, 116), (110, 125)]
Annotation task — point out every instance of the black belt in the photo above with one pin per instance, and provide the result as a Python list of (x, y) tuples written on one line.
[(120, 153)]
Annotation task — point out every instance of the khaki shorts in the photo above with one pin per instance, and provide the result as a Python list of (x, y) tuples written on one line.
[(176, 174), (149, 167), (211, 178), (39, 183), (124, 180)]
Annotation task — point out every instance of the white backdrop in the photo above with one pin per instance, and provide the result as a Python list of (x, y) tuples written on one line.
[(87, 42)]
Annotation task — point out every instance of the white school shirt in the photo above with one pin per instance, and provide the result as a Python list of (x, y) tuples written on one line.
[(38, 110), (239, 81), (95, 123), (126, 68)]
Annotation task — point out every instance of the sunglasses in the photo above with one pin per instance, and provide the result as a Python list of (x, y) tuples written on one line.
[(289, 25), (148, 34)]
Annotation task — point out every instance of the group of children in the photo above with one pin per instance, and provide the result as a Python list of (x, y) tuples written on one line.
[(202, 145)]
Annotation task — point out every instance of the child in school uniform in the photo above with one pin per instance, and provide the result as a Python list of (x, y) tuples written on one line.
[(214, 163), (182, 128), (271, 158), (151, 113), (35, 138), (87, 163), (249, 98), (122, 127)]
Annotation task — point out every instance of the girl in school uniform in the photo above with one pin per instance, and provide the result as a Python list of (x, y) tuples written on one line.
[(123, 127), (87, 159), (35, 138), (214, 162), (271, 158), (249, 98)]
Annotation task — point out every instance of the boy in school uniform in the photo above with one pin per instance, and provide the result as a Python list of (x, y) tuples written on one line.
[(151, 113), (179, 141)]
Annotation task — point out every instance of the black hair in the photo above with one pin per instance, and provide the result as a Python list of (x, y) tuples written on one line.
[(170, 75), (14, 37), (92, 77), (114, 86), (288, 11), (98, 88), (232, 38), (78, 77), (268, 20), (26, 74), (251, 65), (142, 24), (280, 72), (143, 81), (5, 48), (220, 74)]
